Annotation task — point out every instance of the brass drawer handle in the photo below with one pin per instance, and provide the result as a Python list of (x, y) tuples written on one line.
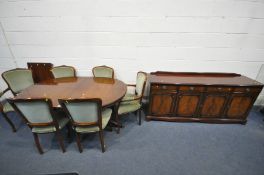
[(164, 87), (219, 88), (191, 88), (247, 89)]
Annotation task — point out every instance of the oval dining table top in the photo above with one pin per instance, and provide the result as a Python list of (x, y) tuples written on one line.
[(109, 90)]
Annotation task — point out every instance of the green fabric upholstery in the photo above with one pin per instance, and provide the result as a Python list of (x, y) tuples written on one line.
[(63, 71), (103, 72), (83, 111), (61, 119), (126, 107), (106, 115), (7, 108), (35, 112), (18, 80), (38, 112), (141, 78), (129, 97)]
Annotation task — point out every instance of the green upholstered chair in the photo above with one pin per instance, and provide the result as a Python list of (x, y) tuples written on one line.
[(86, 116), (41, 118), (18, 79), (132, 102), (63, 71), (103, 71), (5, 108)]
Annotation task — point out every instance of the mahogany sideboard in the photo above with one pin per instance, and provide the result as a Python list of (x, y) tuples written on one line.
[(201, 97)]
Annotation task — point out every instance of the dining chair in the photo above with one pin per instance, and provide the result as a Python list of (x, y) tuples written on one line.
[(41, 118), (5, 109), (18, 79), (63, 71), (103, 71), (86, 116), (132, 102)]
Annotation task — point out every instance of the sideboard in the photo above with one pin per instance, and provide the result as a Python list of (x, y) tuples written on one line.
[(201, 97)]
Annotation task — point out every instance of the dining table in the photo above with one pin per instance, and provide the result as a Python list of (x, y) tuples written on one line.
[(109, 90)]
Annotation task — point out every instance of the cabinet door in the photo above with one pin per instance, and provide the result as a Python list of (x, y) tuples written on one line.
[(187, 104), (162, 104), (239, 106), (213, 105)]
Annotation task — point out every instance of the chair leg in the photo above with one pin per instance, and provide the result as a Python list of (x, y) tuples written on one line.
[(139, 116), (68, 130), (78, 141), (9, 122), (60, 139), (37, 143), (102, 140)]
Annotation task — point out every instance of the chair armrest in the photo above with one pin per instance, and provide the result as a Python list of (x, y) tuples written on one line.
[(137, 98), (3, 92), (131, 85)]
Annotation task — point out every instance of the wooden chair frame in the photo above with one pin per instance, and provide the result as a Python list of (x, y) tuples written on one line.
[(104, 66), (5, 114), (9, 88), (74, 70), (98, 101), (31, 125), (140, 97)]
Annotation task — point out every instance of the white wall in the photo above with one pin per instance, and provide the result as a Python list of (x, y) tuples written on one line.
[(133, 35)]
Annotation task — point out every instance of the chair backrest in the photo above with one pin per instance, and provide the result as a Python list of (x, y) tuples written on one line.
[(37, 112), (141, 83), (103, 71), (18, 79), (83, 112), (63, 71)]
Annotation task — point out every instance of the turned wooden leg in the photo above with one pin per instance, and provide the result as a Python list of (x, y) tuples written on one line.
[(37, 143), (60, 139), (139, 116), (9, 122), (102, 141), (78, 141)]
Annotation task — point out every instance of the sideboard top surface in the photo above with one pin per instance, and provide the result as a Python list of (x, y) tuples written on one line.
[(192, 78)]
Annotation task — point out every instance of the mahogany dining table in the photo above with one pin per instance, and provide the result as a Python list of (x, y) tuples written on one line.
[(111, 91)]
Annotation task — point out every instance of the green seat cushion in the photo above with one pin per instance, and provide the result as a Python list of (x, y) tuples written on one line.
[(106, 115), (7, 107), (126, 107), (129, 97), (62, 121)]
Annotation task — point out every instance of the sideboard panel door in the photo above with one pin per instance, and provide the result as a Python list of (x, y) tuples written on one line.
[(239, 106), (162, 104), (213, 105), (187, 105)]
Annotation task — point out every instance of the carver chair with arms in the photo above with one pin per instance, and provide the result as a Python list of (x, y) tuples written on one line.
[(18, 79), (103, 71), (86, 116), (132, 102), (41, 118), (63, 71)]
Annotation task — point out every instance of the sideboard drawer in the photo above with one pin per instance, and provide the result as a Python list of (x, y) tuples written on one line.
[(163, 87), (219, 89), (247, 89), (191, 88)]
